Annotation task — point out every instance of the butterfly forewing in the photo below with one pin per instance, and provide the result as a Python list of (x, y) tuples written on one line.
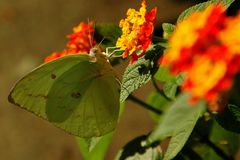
[(74, 93)]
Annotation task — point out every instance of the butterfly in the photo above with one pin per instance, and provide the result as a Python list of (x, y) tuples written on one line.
[(78, 93)]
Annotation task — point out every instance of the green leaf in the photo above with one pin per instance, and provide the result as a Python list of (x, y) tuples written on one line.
[(229, 119), (168, 30), (163, 74), (159, 102), (171, 82), (206, 152), (202, 6), (178, 124), (225, 140), (107, 34), (135, 150), (135, 76), (98, 150), (68, 92), (170, 88)]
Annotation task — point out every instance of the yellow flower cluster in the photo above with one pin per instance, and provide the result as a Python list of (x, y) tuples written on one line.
[(130, 28), (137, 31)]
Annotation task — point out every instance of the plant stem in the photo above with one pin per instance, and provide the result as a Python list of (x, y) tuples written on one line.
[(145, 105)]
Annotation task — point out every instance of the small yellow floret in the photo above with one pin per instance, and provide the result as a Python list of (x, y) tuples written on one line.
[(205, 74), (231, 35)]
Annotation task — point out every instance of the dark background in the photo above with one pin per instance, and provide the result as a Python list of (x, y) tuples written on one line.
[(32, 29)]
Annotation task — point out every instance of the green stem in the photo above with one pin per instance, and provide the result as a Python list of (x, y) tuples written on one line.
[(159, 39), (145, 105)]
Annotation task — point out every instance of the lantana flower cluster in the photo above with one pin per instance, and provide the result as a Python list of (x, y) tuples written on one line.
[(137, 30), (206, 46), (81, 41)]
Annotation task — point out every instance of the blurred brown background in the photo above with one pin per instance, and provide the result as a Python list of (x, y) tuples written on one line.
[(29, 31)]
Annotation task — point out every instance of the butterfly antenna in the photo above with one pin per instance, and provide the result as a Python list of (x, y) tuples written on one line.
[(90, 35), (101, 42)]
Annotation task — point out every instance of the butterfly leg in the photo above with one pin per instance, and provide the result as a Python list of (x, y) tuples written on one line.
[(108, 48)]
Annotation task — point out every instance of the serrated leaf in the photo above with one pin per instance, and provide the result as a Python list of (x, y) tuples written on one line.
[(178, 124), (229, 119), (135, 76), (68, 93), (202, 6), (135, 150), (168, 30), (107, 34)]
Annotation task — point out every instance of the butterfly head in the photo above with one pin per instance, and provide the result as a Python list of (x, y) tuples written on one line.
[(93, 51)]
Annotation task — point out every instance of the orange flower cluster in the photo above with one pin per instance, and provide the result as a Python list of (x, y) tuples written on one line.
[(81, 41), (137, 31), (206, 46)]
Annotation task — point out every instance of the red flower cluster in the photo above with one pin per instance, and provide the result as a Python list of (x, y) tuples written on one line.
[(81, 41), (207, 48)]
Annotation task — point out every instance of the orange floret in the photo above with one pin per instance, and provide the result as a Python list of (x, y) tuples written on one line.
[(81, 41), (137, 30)]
